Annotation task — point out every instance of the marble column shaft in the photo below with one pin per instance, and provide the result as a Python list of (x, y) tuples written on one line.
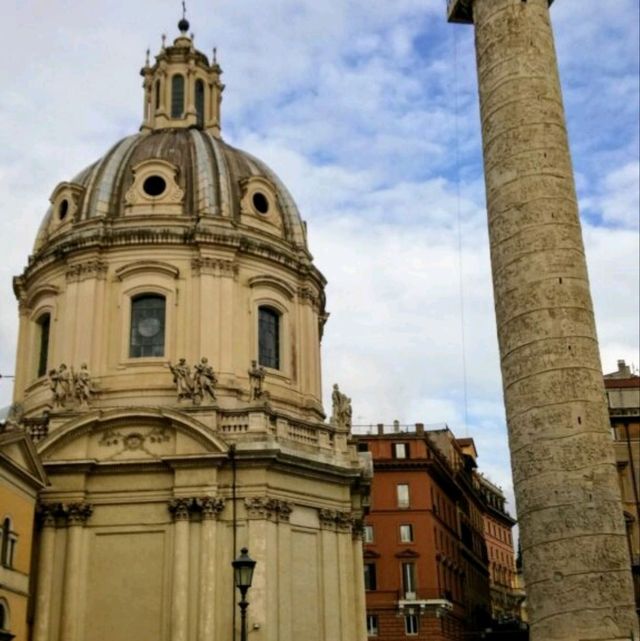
[(576, 561)]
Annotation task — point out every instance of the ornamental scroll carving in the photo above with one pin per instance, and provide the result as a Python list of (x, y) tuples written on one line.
[(91, 269), (263, 507), (186, 508), (215, 267), (337, 520), (71, 514)]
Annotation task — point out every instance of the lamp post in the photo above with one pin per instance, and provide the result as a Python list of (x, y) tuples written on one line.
[(243, 572)]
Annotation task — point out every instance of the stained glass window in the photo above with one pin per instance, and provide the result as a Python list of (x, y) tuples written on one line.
[(147, 326), (269, 338)]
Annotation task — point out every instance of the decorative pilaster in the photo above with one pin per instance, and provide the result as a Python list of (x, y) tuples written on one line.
[(76, 515), (210, 508), (180, 508), (46, 517)]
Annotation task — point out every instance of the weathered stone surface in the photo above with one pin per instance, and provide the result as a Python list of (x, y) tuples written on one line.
[(575, 557)]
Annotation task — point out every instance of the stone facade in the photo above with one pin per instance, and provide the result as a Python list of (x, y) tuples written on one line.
[(574, 547), (165, 456)]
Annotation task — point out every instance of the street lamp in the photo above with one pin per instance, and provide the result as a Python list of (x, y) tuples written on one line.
[(243, 573)]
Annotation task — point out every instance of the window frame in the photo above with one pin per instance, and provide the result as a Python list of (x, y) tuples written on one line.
[(373, 627), (410, 539), (201, 115), (174, 103), (409, 578), (8, 543), (43, 343), (402, 503), (365, 537), (132, 301), (278, 315), (370, 577), (400, 447), (415, 626)]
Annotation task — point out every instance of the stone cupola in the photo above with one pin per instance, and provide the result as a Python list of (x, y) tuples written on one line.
[(182, 88)]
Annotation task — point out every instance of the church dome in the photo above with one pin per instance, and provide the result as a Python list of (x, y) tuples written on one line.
[(173, 176)]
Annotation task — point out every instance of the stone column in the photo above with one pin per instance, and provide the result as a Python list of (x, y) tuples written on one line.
[(180, 509), (211, 508), (357, 533), (41, 626), (76, 515), (330, 574), (576, 562)]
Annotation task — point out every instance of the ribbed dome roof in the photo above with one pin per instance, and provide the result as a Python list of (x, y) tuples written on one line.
[(210, 173)]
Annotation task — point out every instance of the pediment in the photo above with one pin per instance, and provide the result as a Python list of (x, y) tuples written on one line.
[(407, 554), (18, 456), (128, 436)]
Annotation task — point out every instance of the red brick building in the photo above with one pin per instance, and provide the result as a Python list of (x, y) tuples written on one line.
[(426, 565)]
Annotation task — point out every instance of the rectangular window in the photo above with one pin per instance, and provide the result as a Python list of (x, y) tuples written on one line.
[(269, 337), (400, 450), (403, 495), (368, 533), (411, 624), (409, 580), (147, 326), (369, 576), (372, 625), (406, 533)]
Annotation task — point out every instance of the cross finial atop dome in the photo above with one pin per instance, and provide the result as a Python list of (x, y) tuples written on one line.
[(183, 25)]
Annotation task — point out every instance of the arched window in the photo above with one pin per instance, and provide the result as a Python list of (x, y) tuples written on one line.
[(4, 616), (44, 327), (269, 337), (8, 547), (147, 326), (200, 102), (177, 96), (157, 94)]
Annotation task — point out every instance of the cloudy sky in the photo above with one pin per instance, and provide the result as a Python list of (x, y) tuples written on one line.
[(368, 111)]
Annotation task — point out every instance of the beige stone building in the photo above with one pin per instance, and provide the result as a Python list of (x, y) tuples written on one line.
[(169, 372)]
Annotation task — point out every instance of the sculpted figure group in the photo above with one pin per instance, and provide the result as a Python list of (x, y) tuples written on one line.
[(196, 384), (69, 387)]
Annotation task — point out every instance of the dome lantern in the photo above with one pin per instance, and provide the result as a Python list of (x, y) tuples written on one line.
[(182, 89)]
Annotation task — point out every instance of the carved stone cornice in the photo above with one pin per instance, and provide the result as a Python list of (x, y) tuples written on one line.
[(210, 507), (76, 514), (82, 271), (214, 266), (308, 295), (263, 507)]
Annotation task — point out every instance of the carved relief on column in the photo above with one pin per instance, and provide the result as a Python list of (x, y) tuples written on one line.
[(263, 507)]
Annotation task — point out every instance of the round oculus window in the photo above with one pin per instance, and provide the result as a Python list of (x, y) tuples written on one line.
[(154, 186), (63, 209), (260, 202), (148, 327)]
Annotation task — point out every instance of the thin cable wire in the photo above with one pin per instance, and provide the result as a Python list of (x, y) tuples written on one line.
[(459, 216)]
